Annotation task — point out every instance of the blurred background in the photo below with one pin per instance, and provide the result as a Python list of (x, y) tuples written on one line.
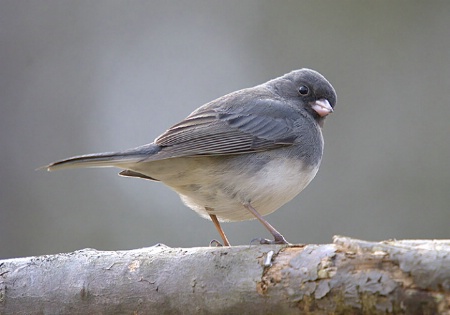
[(80, 77)]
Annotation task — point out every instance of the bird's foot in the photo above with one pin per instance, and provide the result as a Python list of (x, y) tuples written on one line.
[(215, 243), (264, 241)]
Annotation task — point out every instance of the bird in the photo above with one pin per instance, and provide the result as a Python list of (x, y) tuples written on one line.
[(239, 157)]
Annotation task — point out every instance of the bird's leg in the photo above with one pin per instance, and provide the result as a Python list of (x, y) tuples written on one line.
[(219, 229), (278, 238)]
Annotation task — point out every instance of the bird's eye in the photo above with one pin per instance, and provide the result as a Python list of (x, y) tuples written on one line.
[(303, 90)]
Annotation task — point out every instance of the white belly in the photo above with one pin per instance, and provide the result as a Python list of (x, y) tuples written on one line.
[(225, 191)]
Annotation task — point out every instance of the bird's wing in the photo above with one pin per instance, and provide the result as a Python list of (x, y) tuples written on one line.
[(263, 125), (213, 131)]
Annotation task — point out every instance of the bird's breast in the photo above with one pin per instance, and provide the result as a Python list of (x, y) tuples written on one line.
[(266, 180)]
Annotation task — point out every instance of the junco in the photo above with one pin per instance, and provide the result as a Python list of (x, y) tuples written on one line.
[(239, 157)]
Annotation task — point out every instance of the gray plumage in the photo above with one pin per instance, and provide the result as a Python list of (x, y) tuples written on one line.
[(258, 146)]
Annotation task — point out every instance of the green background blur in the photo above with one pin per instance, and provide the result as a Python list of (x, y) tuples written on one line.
[(80, 77)]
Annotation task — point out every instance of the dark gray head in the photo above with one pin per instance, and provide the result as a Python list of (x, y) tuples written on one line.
[(308, 89)]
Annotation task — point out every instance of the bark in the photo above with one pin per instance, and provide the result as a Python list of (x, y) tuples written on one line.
[(347, 277)]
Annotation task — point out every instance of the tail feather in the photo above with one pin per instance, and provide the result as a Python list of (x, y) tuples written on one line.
[(107, 159)]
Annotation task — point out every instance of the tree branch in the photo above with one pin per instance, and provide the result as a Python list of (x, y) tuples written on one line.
[(347, 277)]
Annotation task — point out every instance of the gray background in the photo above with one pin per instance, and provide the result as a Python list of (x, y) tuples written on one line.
[(90, 76)]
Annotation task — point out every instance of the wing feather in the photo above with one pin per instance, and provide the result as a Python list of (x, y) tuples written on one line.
[(210, 131)]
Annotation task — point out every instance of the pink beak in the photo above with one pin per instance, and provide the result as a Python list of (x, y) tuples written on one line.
[(322, 107)]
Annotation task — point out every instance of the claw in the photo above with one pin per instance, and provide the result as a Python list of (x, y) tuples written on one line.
[(215, 243), (264, 241)]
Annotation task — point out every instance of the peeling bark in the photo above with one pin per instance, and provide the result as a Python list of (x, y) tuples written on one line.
[(347, 277)]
